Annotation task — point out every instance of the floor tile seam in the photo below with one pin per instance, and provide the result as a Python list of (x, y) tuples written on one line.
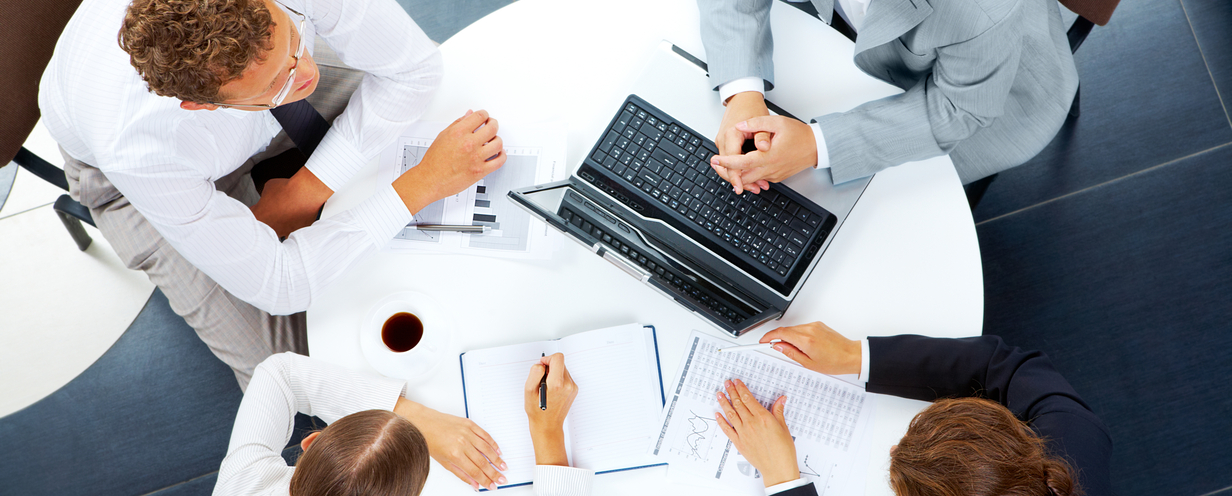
[(1202, 54), (1105, 183), (1219, 491), (207, 474), (31, 209)]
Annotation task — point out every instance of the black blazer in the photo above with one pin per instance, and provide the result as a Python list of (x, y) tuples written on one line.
[(928, 369)]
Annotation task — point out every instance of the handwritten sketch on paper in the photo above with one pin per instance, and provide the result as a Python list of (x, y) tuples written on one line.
[(535, 154), (828, 418)]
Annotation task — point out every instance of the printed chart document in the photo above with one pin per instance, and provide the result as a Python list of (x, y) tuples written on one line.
[(535, 155), (613, 418), (828, 418)]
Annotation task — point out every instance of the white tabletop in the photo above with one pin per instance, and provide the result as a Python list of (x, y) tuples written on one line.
[(905, 261)]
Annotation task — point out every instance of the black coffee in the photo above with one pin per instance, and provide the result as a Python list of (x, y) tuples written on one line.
[(402, 331)]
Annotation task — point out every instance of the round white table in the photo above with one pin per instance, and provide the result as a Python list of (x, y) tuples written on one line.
[(905, 261)]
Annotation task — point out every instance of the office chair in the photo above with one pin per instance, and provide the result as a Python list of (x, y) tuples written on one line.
[(1090, 13), (30, 33)]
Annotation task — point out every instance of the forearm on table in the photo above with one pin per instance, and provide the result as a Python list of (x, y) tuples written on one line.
[(549, 446)]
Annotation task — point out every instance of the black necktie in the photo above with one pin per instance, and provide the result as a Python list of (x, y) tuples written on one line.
[(305, 127), (303, 124)]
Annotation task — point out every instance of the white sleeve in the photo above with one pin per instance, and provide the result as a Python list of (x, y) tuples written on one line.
[(402, 71), (556, 480), (741, 85), (221, 237), (864, 362), (281, 386), (792, 484), (823, 154)]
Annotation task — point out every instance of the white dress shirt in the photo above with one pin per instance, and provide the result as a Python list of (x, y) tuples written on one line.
[(165, 160), (288, 383), (853, 12)]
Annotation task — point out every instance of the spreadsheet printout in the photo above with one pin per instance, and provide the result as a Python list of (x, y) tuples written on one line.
[(828, 418)]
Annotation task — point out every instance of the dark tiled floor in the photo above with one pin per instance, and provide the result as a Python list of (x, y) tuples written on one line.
[(1147, 98), (1112, 250)]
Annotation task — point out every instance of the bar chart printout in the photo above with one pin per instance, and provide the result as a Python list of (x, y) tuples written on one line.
[(828, 418)]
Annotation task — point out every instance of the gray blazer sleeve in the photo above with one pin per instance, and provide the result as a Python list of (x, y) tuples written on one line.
[(736, 34), (966, 91)]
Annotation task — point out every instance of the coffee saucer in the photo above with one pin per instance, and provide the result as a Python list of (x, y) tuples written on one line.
[(417, 361)]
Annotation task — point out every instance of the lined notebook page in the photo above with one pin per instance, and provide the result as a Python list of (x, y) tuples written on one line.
[(619, 397), (495, 378), (611, 422)]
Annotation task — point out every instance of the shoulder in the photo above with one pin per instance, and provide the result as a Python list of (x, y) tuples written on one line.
[(967, 19)]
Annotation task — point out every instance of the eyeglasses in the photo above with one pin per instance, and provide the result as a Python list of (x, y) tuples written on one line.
[(286, 88)]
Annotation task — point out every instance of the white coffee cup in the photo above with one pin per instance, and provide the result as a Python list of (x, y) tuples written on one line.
[(424, 355)]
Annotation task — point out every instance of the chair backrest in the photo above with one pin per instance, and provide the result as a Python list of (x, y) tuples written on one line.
[(31, 28), (1096, 11)]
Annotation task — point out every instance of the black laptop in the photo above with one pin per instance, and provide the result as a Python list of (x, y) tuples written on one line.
[(646, 199)]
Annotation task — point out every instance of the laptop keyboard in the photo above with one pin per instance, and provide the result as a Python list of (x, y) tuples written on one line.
[(670, 166)]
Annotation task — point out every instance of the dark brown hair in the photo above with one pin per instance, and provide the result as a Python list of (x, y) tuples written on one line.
[(975, 447), (188, 49), (374, 452)]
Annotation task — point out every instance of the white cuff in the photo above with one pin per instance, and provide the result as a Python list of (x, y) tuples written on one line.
[(382, 215), (557, 480), (335, 161), (751, 83), (778, 488), (864, 361), (823, 153)]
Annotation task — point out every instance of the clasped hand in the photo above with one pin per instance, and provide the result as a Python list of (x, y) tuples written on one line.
[(784, 146)]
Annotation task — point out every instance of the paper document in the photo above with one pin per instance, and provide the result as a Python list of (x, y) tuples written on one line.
[(828, 418), (535, 154), (620, 395)]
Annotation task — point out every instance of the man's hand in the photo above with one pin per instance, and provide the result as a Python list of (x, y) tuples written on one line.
[(461, 155), (741, 107), (457, 444), (793, 148), (760, 435), (547, 426), (817, 347), (287, 205)]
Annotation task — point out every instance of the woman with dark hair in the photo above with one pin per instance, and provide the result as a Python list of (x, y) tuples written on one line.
[(1003, 421), (377, 442)]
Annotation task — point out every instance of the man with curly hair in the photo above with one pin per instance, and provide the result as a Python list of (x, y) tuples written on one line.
[(160, 133)]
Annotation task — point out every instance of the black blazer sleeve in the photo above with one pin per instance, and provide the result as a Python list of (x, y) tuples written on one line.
[(805, 490), (928, 369)]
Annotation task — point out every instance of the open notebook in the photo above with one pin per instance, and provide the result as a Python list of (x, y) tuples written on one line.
[(613, 419)]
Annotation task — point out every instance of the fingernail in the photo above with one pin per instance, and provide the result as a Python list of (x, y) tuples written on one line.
[(504, 467), (778, 347), (492, 486), (501, 480), (498, 452), (714, 162)]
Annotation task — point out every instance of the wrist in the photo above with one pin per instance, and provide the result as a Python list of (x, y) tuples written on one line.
[(852, 362), (415, 191), (549, 446), (745, 97), (780, 476), (410, 410)]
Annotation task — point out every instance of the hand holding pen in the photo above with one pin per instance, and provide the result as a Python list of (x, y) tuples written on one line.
[(556, 396)]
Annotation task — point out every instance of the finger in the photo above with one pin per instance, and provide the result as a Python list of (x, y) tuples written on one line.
[(727, 429), (752, 176), (488, 131), (532, 380), (741, 162), (461, 474), (733, 417), (762, 140), (491, 148), (556, 368), (792, 352), (779, 408), (768, 123), (737, 185), (737, 402), (473, 120), (468, 112), (495, 162), (763, 184), (747, 399), (721, 171), (480, 470), (488, 446), (733, 139)]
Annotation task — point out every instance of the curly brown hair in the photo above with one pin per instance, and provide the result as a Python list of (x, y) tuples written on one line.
[(975, 447), (188, 49)]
